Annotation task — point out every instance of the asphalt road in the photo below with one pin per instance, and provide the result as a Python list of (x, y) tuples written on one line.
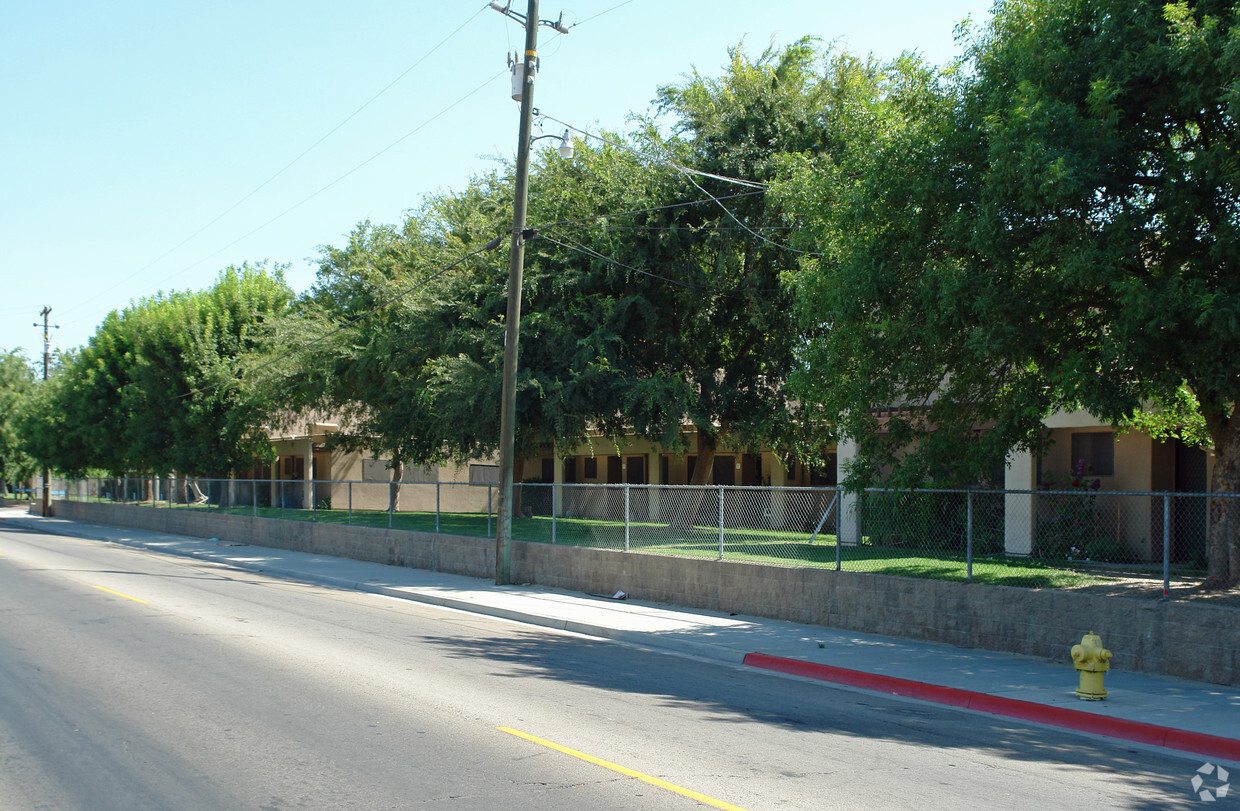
[(132, 680)]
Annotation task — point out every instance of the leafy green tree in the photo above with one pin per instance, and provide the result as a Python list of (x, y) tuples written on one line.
[(363, 324), (724, 323), (212, 418), (77, 420), (1051, 225), (159, 386), (16, 387), (404, 340), (668, 254), (650, 298), (41, 423)]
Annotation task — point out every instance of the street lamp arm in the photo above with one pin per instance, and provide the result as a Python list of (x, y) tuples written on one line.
[(566, 148)]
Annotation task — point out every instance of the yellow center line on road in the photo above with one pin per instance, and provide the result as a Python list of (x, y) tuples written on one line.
[(120, 594), (615, 767)]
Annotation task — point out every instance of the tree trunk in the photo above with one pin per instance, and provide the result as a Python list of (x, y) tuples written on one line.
[(686, 507), (398, 472), (1224, 548)]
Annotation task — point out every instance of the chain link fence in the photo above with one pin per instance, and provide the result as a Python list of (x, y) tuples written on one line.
[(1070, 538)]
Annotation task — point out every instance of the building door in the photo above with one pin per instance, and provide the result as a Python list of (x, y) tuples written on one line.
[(639, 497), (1189, 519), (613, 470), (751, 470), (635, 469)]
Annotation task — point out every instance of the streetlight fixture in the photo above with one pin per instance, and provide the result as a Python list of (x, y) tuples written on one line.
[(566, 148), (523, 70)]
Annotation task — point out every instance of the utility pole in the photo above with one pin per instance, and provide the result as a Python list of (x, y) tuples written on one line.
[(47, 351), (516, 261)]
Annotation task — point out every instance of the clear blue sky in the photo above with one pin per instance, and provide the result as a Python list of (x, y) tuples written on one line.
[(143, 142)]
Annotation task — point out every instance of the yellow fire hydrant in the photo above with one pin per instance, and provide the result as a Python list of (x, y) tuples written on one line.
[(1092, 660)]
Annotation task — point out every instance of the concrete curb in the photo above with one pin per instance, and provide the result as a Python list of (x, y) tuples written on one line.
[(1135, 731)]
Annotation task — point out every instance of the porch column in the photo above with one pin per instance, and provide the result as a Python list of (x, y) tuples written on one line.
[(557, 478), (308, 475), (779, 498), (1019, 518), (849, 514)]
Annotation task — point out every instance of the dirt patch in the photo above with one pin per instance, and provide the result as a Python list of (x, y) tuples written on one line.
[(1146, 588)]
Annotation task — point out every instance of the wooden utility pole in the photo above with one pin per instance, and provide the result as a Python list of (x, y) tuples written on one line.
[(512, 322), (47, 351)]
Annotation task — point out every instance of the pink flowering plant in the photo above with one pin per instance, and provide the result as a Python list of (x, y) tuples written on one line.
[(1074, 530)]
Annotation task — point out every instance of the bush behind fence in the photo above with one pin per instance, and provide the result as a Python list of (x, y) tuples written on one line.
[(1025, 538)]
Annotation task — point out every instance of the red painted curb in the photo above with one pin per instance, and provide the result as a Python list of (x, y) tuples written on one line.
[(1196, 742)]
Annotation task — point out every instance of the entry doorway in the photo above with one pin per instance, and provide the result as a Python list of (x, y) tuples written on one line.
[(1190, 520)]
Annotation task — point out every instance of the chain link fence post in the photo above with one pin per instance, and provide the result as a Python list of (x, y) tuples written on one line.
[(968, 539), (839, 530), (1166, 561), (626, 517)]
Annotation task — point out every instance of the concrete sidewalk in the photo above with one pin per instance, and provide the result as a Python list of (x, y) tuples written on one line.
[(1184, 715)]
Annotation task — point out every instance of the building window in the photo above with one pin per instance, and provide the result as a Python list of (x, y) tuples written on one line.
[(294, 467), (420, 473), (590, 468), (483, 474), (1097, 450)]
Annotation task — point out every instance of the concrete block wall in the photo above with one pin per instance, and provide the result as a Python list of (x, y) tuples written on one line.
[(418, 550), (1189, 640)]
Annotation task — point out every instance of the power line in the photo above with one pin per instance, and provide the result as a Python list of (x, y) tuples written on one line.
[(615, 227), (291, 163), (737, 219), (359, 166), (600, 14), (588, 251), (647, 210), (753, 184), (689, 173)]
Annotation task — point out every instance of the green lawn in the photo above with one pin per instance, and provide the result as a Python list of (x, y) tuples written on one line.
[(777, 547)]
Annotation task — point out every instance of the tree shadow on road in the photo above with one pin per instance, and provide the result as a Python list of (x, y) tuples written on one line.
[(724, 694)]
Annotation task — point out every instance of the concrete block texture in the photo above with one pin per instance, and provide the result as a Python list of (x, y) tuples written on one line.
[(1185, 639)]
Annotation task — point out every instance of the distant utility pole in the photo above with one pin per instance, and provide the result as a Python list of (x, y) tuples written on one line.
[(47, 351), (523, 81)]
